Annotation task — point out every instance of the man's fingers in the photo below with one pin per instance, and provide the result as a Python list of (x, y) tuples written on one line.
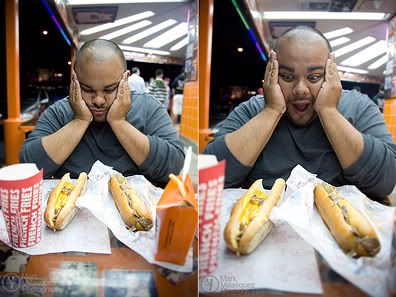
[(269, 69), (78, 90), (121, 87), (332, 57), (274, 72), (329, 70), (266, 73), (71, 90), (272, 75)]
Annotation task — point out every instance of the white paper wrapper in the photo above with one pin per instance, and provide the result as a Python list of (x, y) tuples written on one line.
[(369, 274), (283, 261), (84, 233), (100, 203)]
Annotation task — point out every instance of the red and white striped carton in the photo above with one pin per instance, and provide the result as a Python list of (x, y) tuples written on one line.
[(211, 184), (20, 198)]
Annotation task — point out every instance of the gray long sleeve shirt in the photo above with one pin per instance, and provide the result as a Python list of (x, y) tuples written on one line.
[(166, 153), (374, 173)]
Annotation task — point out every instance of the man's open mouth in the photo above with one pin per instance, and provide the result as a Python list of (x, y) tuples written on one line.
[(301, 106)]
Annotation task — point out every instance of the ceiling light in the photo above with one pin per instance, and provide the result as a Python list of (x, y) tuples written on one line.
[(381, 61), (69, 63), (94, 2), (338, 33), (320, 15), (240, 49), (367, 54), (143, 50), (120, 22), (180, 44), (346, 49), (339, 41), (126, 30), (149, 31), (353, 70), (45, 32), (169, 36)]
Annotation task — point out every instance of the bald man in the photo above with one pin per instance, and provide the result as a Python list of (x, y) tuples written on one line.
[(306, 118), (102, 120)]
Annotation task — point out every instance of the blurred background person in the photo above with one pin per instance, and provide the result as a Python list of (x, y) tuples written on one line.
[(177, 102), (135, 82), (167, 104), (379, 98), (158, 87)]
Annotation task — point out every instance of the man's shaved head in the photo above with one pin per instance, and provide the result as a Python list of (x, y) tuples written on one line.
[(98, 50), (301, 34)]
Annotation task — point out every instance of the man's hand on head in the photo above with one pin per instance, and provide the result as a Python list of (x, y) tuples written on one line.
[(330, 92), (80, 108), (122, 102), (273, 95)]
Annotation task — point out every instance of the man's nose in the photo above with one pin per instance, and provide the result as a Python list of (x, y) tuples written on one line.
[(300, 89), (98, 100)]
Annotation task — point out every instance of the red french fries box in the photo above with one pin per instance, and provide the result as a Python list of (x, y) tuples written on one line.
[(176, 221), (20, 200)]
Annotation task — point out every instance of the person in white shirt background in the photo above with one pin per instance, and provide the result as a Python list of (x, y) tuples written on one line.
[(135, 82)]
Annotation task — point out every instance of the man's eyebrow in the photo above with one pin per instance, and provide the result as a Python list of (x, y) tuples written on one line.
[(313, 68), (112, 85), (84, 85), (106, 87), (284, 67)]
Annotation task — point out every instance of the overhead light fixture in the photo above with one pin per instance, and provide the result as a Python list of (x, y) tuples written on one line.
[(377, 64), (339, 41), (45, 32), (352, 70), (143, 50), (346, 49), (126, 30), (120, 22), (240, 49), (180, 44), (133, 55), (324, 15), (95, 2), (149, 31), (367, 54), (338, 33), (169, 36), (68, 63)]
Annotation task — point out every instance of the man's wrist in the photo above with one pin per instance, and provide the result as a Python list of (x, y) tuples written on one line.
[(116, 122), (324, 110), (275, 111), (82, 122)]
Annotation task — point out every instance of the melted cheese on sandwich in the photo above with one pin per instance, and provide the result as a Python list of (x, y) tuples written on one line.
[(252, 207), (63, 197)]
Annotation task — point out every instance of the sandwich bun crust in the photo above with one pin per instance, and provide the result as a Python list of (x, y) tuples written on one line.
[(349, 227), (246, 240), (69, 210), (133, 211)]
